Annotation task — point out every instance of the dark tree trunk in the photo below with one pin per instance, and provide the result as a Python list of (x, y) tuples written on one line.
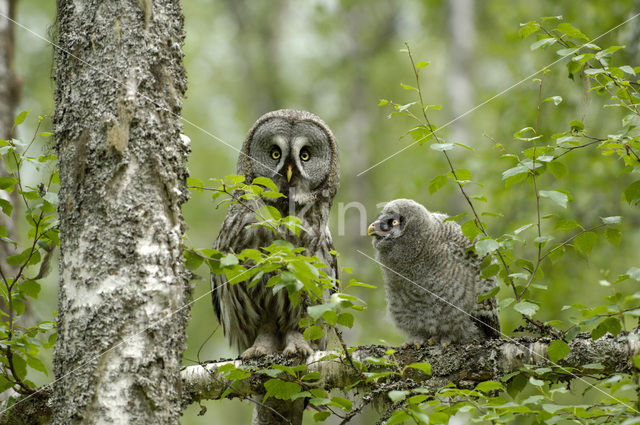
[(120, 84)]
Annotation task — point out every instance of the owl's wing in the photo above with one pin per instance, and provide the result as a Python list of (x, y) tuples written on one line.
[(234, 236), (485, 314)]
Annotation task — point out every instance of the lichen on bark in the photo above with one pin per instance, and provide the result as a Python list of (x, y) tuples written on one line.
[(120, 84)]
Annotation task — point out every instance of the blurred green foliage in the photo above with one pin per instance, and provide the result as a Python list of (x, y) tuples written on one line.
[(338, 59)]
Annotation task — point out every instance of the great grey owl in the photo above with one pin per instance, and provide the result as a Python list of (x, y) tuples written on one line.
[(432, 281), (298, 151)]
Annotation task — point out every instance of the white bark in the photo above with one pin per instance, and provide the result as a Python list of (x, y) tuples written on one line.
[(120, 83), (9, 90)]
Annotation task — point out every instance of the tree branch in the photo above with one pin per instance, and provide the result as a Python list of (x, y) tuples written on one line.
[(464, 365)]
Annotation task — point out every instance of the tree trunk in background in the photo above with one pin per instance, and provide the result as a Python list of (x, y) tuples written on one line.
[(462, 35), (120, 84), (257, 40)]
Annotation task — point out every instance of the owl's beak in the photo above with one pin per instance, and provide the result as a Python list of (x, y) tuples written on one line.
[(372, 230), (289, 172)]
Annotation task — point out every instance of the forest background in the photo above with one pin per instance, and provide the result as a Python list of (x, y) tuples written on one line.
[(338, 59)]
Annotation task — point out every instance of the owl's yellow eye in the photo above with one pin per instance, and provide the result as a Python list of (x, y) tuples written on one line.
[(395, 222), (304, 155), (275, 153)]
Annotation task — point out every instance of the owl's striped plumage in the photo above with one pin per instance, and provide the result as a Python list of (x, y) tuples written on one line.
[(432, 281), (298, 151)]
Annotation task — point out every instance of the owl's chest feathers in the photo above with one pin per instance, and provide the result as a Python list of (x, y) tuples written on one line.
[(430, 283)]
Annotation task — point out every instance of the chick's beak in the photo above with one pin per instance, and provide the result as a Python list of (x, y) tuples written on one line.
[(372, 229), (289, 172)]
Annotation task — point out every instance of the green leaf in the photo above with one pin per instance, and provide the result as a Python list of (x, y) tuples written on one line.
[(8, 183), (21, 117), (536, 382), (341, 402), (442, 146), (311, 376), (313, 332), (487, 386), (526, 308), (229, 260), (11, 163), (615, 219), (632, 193), (555, 99), (557, 197), (36, 364), (423, 366), (610, 324), (383, 102), (485, 246), (571, 31), (528, 29), (634, 273), (398, 417), (321, 416), (585, 242), (558, 169), (316, 311), (20, 365), (437, 183), (397, 395), (544, 42), (192, 260), (345, 319), (576, 125), (614, 236), (30, 288), (565, 225), (235, 178), (422, 64), (470, 230), (491, 293), (266, 182), (6, 206), (487, 272), (282, 390), (19, 259), (557, 350)]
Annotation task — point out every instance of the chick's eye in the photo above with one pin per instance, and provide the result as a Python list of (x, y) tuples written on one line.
[(304, 155), (395, 222), (275, 153)]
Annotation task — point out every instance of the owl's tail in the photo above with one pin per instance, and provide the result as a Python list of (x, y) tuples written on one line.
[(278, 412)]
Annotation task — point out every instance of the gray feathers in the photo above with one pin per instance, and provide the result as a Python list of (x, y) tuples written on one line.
[(298, 152), (432, 281)]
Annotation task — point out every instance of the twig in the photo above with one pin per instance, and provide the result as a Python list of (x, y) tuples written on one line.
[(477, 220)]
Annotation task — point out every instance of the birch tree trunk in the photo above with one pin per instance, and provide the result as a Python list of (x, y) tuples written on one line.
[(123, 289), (9, 92)]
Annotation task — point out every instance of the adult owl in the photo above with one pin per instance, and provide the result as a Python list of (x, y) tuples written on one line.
[(432, 281), (298, 152)]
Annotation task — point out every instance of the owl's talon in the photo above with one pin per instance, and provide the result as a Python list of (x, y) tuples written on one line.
[(265, 343), (417, 345), (255, 351), (444, 344), (296, 346), (432, 341)]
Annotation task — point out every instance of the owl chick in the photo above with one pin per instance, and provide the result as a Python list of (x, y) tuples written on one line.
[(432, 281)]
